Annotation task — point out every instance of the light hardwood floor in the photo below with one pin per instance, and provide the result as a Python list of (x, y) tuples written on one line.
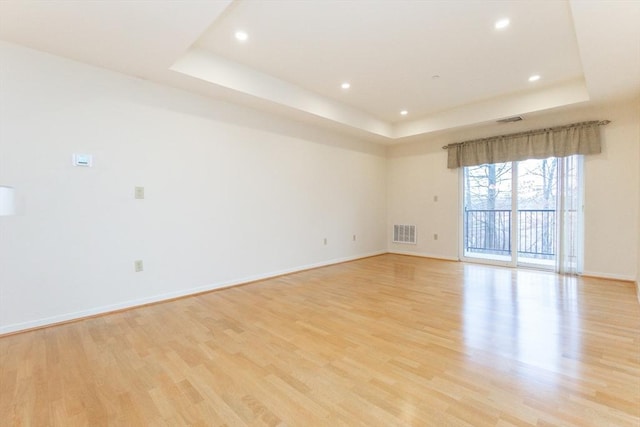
[(385, 341)]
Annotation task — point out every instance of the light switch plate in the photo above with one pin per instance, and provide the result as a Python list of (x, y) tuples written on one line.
[(139, 193)]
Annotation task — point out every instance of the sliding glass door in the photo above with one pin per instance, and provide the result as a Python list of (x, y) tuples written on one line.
[(523, 213)]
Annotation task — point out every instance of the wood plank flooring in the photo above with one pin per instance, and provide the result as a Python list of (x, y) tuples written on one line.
[(385, 341)]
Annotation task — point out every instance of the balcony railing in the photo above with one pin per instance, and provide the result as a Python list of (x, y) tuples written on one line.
[(488, 231)]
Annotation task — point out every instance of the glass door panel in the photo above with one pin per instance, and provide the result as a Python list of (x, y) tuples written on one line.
[(487, 215), (536, 212)]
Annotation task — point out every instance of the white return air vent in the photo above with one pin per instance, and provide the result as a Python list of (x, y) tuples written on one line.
[(404, 234)]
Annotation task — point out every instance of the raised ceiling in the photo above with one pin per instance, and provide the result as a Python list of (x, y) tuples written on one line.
[(443, 62), (390, 55)]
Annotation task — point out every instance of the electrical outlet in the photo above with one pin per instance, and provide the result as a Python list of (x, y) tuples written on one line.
[(139, 192), (354, 237), (325, 240), (435, 198), (435, 236), (138, 266)]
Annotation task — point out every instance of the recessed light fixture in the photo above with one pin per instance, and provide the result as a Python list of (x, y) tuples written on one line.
[(502, 24), (345, 85), (404, 112), (534, 78), (241, 36)]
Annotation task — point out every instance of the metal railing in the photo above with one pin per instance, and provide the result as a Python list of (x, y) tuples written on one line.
[(488, 231)]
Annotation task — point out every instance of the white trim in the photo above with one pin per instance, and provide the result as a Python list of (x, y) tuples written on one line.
[(515, 233), (638, 289), (461, 214), (487, 261), (598, 275), (423, 255), (106, 309)]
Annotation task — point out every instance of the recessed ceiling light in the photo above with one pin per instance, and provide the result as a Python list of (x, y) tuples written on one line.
[(502, 24), (345, 85), (534, 78), (404, 112), (241, 36)]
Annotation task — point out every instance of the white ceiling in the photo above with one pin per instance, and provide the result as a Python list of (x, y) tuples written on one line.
[(299, 52)]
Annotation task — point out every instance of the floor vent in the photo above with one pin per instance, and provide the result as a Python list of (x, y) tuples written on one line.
[(404, 234)]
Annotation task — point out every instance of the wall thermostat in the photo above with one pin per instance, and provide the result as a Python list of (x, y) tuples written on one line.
[(85, 160)]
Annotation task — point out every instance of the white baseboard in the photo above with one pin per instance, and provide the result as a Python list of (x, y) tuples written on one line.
[(586, 273), (105, 309), (423, 255), (609, 276)]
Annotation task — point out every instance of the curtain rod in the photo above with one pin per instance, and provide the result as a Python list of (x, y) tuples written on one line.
[(530, 132)]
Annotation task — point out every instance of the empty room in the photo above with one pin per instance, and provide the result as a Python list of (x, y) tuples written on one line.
[(319, 213)]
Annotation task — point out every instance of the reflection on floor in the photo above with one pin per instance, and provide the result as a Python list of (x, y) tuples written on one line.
[(526, 315)]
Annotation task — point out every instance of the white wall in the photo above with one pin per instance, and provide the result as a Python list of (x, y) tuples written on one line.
[(638, 262), (611, 197), (231, 194), (417, 171), (416, 175)]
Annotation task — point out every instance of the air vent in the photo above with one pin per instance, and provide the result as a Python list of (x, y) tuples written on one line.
[(404, 234), (510, 119)]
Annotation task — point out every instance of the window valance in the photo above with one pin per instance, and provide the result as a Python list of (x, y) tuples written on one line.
[(560, 141)]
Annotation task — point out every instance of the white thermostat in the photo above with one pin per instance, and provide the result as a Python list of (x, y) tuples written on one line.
[(85, 160)]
